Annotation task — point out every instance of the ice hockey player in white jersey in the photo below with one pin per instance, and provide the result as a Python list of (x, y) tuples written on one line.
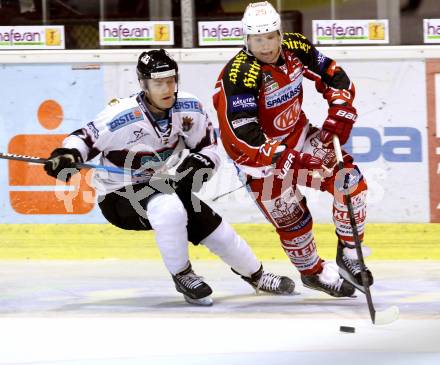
[(147, 133)]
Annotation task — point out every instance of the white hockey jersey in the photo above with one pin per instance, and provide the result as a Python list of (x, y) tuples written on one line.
[(128, 135)]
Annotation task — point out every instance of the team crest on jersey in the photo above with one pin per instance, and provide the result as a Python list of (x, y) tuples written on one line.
[(288, 117), (285, 210), (125, 118), (187, 123)]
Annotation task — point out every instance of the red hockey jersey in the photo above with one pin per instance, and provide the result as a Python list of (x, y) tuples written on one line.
[(259, 105)]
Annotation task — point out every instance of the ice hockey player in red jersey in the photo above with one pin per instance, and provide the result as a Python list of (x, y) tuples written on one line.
[(275, 148), (147, 132)]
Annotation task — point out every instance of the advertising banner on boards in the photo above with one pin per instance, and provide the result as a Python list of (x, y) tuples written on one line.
[(356, 31), (431, 30), (32, 37), (220, 33), (389, 141), (136, 33)]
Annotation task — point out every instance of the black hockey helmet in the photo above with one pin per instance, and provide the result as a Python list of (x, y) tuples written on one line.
[(156, 64)]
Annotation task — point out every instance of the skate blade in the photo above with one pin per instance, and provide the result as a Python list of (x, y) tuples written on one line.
[(283, 294), (206, 301), (322, 290), (345, 275), (289, 292), (387, 316)]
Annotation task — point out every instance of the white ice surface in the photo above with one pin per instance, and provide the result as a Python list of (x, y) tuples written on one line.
[(127, 312)]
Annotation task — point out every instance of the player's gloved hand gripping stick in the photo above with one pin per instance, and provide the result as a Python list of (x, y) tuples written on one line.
[(288, 159), (392, 313)]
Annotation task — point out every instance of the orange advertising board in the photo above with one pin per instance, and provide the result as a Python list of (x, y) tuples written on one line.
[(76, 197), (54, 197)]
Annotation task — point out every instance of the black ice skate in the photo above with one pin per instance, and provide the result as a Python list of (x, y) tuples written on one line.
[(193, 288), (329, 282), (350, 268), (270, 283)]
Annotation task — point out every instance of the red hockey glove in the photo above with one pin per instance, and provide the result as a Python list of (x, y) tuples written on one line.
[(293, 160), (339, 121)]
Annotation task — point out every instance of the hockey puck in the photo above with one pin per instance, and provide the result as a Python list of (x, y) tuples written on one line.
[(347, 329)]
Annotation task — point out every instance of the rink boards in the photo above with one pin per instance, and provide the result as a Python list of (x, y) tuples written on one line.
[(99, 241), (395, 140)]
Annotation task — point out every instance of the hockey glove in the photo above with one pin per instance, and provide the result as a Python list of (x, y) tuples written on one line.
[(196, 169), (339, 121), (292, 160), (63, 158)]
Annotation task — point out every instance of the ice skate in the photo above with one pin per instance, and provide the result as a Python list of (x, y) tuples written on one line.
[(349, 266), (194, 289), (329, 282), (270, 283)]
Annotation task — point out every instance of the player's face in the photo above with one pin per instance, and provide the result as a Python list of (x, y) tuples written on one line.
[(161, 92), (266, 47)]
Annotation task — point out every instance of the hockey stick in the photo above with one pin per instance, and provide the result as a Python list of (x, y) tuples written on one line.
[(229, 192), (39, 160), (392, 313)]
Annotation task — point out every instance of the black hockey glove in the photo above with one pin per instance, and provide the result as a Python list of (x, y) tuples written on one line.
[(195, 169), (63, 158)]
